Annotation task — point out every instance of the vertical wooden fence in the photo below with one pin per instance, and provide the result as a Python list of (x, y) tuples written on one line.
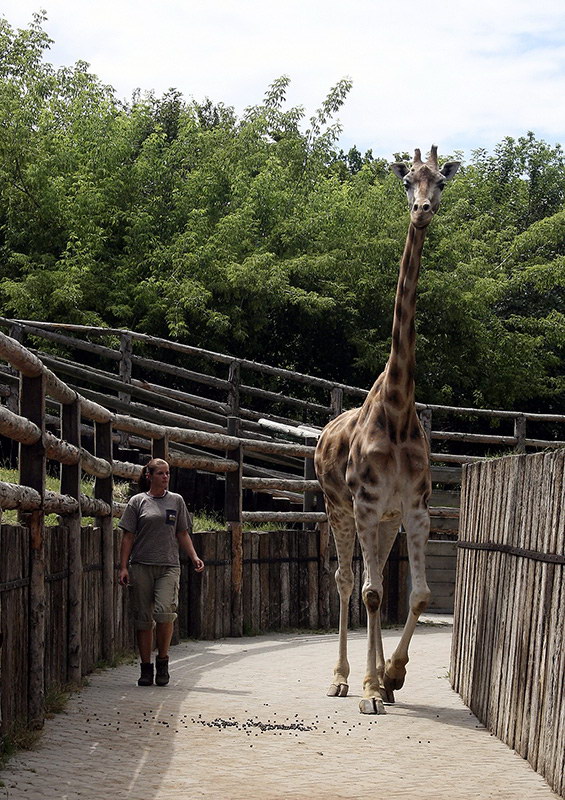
[(59, 638), (508, 656), (287, 582)]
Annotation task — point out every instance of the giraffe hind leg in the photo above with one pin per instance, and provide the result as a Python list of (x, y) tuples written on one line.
[(343, 530)]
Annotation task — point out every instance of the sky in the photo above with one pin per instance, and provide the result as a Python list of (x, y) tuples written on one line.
[(462, 74)]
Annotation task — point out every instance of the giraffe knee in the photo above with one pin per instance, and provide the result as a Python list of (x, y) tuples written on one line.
[(372, 599), (344, 579), (419, 601)]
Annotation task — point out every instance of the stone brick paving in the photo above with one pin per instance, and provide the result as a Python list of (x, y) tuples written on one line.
[(249, 718)]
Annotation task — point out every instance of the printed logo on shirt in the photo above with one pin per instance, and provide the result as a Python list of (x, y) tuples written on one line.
[(171, 516)]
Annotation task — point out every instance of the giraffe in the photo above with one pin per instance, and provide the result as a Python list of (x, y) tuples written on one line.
[(373, 464)]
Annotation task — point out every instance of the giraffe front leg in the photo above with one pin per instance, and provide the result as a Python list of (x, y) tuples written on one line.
[(373, 694), (376, 545), (417, 531)]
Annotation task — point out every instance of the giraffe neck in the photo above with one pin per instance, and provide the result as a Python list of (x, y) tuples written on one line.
[(398, 378)]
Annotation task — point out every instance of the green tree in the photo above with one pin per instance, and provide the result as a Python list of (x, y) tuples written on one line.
[(257, 236)]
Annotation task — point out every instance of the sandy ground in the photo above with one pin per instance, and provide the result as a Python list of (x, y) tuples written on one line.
[(249, 718)]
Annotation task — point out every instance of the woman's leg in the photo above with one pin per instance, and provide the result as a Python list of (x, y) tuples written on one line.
[(142, 591), (163, 635), (165, 613), (145, 644)]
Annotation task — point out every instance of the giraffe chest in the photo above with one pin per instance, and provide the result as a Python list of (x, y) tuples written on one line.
[(386, 473)]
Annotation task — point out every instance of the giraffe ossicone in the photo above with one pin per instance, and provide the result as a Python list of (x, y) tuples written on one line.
[(373, 464)]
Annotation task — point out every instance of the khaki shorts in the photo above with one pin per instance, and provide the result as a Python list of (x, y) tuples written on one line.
[(154, 594)]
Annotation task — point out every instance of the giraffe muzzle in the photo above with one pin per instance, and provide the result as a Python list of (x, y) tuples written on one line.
[(421, 213)]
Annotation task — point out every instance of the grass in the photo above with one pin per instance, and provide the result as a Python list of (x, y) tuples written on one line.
[(203, 521), (215, 522), (207, 522), (53, 484), (21, 736), (57, 697), (120, 658)]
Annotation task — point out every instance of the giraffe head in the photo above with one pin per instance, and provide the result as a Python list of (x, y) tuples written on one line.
[(424, 184)]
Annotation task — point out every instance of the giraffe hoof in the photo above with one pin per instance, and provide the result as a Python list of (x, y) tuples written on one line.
[(393, 678), (392, 684), (387, 695), (338, 690), (371, 705)]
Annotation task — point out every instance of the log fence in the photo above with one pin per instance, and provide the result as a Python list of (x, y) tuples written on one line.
[(263, 462), (508, 651)]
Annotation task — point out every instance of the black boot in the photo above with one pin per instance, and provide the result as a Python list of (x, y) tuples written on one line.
[(146, 677), (162, 674)]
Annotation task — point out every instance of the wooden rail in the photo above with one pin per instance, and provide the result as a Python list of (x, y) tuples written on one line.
[(518, 441)]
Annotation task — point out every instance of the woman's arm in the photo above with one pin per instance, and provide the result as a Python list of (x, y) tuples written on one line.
[(185, 543), (128, 539)]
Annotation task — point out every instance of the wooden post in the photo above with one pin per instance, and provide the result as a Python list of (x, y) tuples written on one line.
[(309, 502), (126, 348), (70, 484), (160, 448), (520, 424), (234, 378), (32, 473), (336, 402), (312, 549), (233, 506), (103, 490), (426, 420)]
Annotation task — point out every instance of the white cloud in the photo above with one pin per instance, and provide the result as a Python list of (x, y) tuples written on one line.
[(463, 74)]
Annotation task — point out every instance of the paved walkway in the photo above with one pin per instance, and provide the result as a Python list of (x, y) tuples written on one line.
[(248, 718)]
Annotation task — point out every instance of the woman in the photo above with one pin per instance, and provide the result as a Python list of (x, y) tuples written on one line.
[(154, 523)]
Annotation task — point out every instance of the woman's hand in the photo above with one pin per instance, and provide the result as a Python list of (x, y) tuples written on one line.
[(198, 564), (123, 576)]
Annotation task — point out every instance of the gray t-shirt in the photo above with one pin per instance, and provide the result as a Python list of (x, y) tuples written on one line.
[(155, 521)]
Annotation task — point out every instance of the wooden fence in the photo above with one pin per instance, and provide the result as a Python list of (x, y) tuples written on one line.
[(165, 382), (60, 646), (508, 657), (100, 423)]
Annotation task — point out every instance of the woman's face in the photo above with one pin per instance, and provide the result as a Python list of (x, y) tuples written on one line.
[(159, 479)]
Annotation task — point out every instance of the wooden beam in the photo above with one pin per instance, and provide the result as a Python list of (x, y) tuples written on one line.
[(309, 501), (294, 485)]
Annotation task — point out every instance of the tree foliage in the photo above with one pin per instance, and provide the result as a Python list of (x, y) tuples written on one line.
[(257, 236)]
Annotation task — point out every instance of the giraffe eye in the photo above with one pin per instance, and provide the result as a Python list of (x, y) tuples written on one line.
[(441, 186)]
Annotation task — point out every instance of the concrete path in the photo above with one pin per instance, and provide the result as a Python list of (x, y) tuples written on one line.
[(249, 718)]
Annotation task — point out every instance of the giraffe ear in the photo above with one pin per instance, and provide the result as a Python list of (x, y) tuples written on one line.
[(400, 169), (449, 169)]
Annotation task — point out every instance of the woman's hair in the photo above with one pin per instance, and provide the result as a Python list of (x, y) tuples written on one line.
[(145, 478)]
